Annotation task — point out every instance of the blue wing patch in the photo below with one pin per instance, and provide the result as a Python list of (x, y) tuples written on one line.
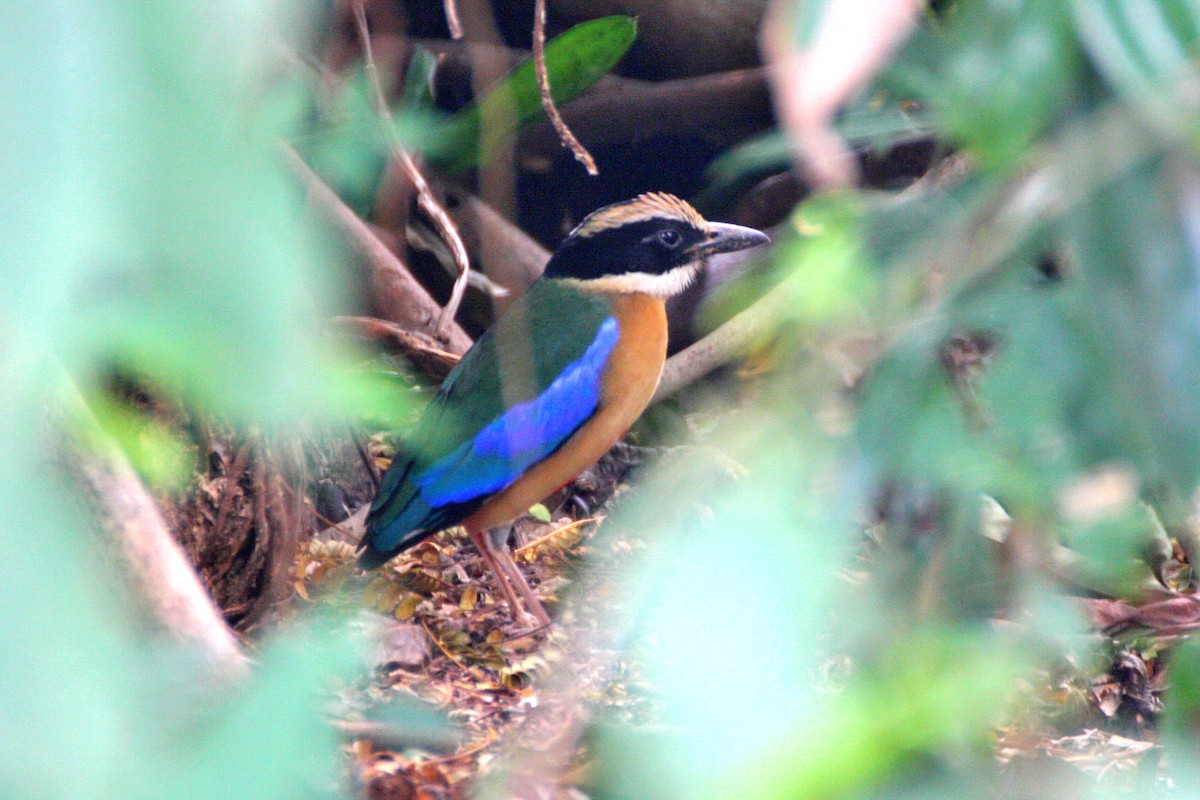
[(523, 435)]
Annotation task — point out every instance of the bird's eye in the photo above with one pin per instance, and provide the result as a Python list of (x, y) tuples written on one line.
[(670, 237)]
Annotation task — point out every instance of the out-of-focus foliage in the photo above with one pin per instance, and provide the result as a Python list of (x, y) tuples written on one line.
[(149, 224), (872, 123), (1010, 349), (349, 151)]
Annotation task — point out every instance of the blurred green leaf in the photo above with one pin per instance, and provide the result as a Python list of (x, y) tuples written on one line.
[(923, 698), (1138, 329), (876, 126), (160, 455), (996, 73), (1147, 52), (151, 224), (278, 720), (418, 81), (348, 146), (1180, 734), (729, 608)]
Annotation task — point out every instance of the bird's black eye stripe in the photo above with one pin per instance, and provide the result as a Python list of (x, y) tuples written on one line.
[(670, 237)]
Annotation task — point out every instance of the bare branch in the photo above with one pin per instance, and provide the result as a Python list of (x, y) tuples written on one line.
[(417, 348), (425, 199), (733, 340), (408, 303), (154, 560), (543, 78), (852, 40), (505, 252), (722, 109), (452, 20)]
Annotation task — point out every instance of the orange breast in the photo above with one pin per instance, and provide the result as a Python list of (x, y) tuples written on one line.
[(628, 383)]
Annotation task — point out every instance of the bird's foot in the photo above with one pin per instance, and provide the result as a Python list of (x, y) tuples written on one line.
[(512, 582)]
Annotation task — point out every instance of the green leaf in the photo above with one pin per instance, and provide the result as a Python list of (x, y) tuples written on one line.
[(1180, 736), (575, 60), (1147, 52), (539, 512), (1138, 327), (161, 456), (923, 697), (873, 125), (998, 74), (347, 148), (152, 223), (418, 81)]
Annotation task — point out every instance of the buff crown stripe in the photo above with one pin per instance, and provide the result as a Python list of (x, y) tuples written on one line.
[(651, 205)]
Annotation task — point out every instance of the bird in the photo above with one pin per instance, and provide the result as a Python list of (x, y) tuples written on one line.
[(545, 392)]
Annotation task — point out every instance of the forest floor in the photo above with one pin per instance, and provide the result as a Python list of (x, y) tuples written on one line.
[(443, 635), (519, 701)]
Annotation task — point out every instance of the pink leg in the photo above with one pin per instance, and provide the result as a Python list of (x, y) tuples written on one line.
[(508, 575), (489, 555)]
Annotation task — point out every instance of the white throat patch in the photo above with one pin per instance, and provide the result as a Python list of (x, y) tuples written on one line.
[(667, 284)]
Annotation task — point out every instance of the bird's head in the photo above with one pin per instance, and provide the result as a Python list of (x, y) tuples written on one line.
[(653, 244)]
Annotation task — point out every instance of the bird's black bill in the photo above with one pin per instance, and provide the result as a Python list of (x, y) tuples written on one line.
[(726, 238)]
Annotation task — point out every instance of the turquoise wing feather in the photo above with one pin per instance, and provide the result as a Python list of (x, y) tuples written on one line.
[(515, 397)]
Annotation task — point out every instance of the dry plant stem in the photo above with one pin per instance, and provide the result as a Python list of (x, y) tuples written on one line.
[(425, 199), (154, 559), (733, 340), (538, 542), (853, 39), (452, 20), (543, 78), (420, 350), (350, 530), (407, 301), (368, 462), (509, 255)]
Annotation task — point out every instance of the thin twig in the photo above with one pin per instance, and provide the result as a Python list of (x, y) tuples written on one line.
[(351, 528), (477, 674), (425, 199), (420, 350), (412, 303), (727, 343), (452, 20), (543, 78), (490, 737), (368, 461)]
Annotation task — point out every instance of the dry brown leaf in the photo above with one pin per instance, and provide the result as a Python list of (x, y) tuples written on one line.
[(407, 607)]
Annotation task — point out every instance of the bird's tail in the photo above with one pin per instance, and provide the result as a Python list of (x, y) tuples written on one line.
[(370, 558)]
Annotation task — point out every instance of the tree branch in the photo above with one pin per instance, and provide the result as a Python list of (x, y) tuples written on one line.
[(733, 340), (402, 298), (155, 562)]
